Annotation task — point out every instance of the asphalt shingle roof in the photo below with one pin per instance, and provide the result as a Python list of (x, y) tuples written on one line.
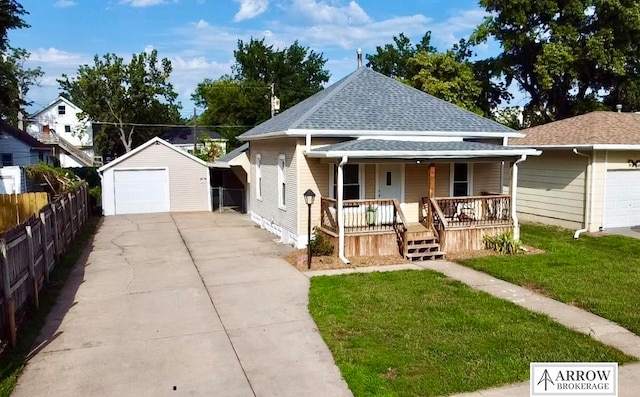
[(22, 136), (367, 145), (595, 128), (184, 135), (369, 101), (234, 153)]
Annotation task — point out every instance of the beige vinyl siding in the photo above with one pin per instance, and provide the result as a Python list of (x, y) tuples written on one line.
[(416, 187), (314, 175), (188, 180), (486, 177), (369, 181), (268, 207), (443, 180), (551, 189)]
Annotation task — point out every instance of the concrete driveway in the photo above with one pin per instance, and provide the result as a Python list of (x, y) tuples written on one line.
[(196, 304)]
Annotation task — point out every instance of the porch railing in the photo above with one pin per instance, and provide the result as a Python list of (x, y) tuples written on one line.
[(362, 216), (470, 211)]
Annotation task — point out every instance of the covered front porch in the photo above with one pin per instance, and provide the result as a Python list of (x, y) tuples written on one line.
[(419, 207)]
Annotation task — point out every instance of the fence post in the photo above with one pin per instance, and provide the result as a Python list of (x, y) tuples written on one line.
[(56, 235), (220, 198), (45, 250), (32, 265), (6, 290)]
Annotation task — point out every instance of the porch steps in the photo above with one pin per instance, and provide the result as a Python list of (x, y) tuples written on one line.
[(422, 245)]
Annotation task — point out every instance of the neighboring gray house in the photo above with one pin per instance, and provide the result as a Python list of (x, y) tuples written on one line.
[(190, 138), (393, 169), (17, 148), (155, 177), (588, 176)]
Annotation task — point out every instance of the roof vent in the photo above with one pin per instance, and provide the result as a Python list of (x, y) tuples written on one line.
[(619, 108), (359, 58)]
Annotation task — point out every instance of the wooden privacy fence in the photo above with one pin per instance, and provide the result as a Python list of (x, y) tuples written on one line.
[(17, 208), (30, 251)]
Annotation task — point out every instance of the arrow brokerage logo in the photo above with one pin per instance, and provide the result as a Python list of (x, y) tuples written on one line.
[(574, 379)]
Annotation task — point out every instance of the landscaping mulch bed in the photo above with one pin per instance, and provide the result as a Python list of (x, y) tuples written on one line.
[(298, 259)]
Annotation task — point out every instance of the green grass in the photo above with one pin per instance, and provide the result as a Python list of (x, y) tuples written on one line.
[(419, 333), (598, 274), (12, 361)]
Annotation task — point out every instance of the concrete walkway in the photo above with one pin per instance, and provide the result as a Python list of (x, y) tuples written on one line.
[(572, 317), (183, 304)]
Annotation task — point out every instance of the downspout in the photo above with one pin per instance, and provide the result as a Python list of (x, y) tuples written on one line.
[(341, 210), (514, 193), (588, 208)]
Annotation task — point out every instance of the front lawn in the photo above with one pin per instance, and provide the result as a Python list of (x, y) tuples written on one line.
[(598, 274), (418, 333)]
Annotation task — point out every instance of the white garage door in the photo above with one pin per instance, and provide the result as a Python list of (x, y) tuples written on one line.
[(622, 199), (141, 191)]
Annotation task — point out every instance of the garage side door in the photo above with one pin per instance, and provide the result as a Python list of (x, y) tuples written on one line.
[(622, 199), (141, 191)]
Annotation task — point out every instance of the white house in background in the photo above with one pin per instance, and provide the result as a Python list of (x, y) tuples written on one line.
[(58, 125)]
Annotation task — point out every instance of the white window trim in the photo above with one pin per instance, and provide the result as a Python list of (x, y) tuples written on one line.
[(258, 166), (282, 179), (361, 179), (469, 178)]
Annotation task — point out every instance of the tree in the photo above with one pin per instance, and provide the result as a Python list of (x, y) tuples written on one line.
[(394, 60), (564, 53), (15, 79), (242, 100), (443, 76), (119, 95)]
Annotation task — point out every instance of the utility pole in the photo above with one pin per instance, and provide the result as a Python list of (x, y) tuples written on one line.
[(273, 109), (195, 130), (20, 115)]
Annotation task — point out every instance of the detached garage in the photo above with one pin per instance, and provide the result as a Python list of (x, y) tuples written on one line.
[(155, 177), (588, 177)]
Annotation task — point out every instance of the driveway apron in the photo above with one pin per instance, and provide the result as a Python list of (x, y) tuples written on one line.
[(196, 304)]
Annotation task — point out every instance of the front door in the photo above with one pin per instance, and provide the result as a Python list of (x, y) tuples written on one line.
[(389, 181)]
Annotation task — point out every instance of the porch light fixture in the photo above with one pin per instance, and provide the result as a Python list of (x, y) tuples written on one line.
[(309, 198)]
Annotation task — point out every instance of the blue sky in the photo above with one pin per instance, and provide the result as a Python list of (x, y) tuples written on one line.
[(199, 36)]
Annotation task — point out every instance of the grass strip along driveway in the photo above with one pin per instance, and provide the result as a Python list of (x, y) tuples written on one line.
[(414, 333), (598, 274)]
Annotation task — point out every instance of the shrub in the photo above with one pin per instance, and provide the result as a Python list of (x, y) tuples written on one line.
[(95, 192), (53, 179), (320, 244), (504, 244)]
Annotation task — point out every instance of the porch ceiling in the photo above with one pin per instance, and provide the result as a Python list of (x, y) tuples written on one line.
[(407, 149)]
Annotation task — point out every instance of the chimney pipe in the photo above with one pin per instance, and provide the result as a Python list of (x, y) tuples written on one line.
[(359, 58)]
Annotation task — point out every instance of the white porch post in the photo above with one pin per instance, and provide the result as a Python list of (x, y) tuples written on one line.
[(340, 185), (513, 191)]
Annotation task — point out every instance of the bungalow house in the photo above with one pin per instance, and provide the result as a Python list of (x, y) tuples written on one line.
[(191, 138), (17, 150), (588, 176), (394, 170), (59, 126)]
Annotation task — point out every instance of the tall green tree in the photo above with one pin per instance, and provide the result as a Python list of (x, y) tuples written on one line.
[(119, 95), (242, 100), (564, 53), (15, 78), (394, 59)]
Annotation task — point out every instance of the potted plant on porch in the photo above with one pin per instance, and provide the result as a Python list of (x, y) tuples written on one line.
[(370, 212)]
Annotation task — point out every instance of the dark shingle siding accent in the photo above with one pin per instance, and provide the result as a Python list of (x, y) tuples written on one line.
[(369, 101)]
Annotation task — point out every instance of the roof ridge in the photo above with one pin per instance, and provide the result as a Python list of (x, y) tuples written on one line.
[(337, 87)]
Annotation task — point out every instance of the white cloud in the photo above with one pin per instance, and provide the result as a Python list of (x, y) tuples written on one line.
[(149, 48), (142, 3), (250, 9), (202, 24), (65, 3), (451, 31), (54, 56), (321, 12)]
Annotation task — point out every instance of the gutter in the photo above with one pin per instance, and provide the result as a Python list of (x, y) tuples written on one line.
[(341, 210), (514, 194), (588, 193)]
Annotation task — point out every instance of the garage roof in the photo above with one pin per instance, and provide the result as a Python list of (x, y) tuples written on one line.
[(153, 141)]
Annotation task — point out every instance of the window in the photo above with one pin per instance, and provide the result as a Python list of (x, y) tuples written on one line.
[(67, 128), (62, 110), (7, 159), (282, 182), (460, 184), (351, 186), (259, 176)]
